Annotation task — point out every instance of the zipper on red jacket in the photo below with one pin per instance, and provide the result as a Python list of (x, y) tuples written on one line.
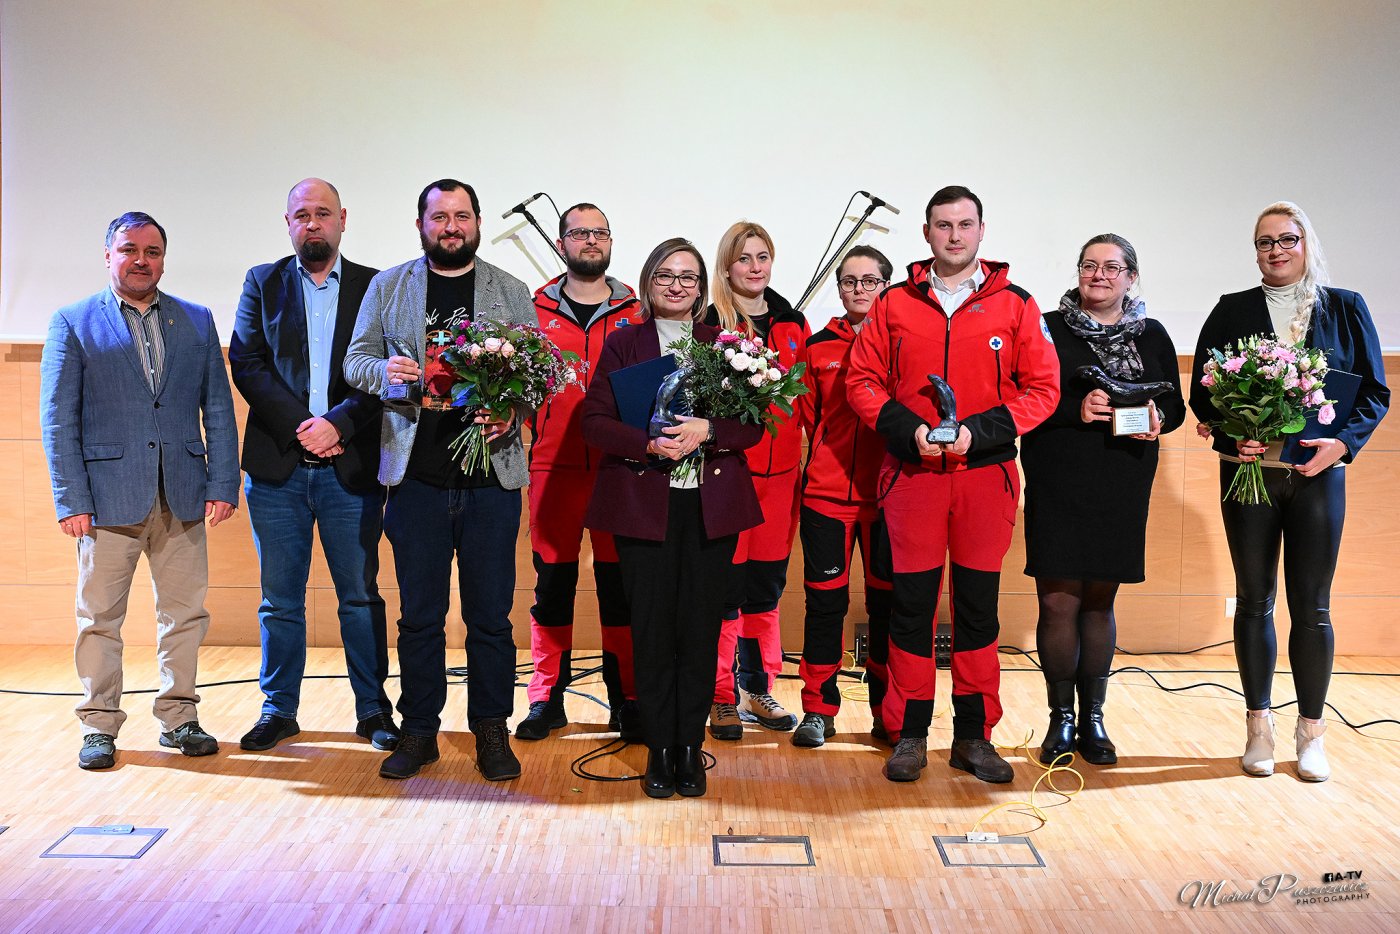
[(587, 454), (947, 346)]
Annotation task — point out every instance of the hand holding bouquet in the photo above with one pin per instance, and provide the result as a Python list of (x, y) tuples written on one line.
[(1265, 390), (498, 368)]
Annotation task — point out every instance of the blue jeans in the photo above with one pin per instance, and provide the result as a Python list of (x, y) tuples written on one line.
[(429, 526), (282, 516)]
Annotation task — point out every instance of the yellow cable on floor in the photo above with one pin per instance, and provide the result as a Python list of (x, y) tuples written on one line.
[(1047, 776)]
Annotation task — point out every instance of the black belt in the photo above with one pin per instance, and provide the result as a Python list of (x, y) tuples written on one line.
[(310, 461)]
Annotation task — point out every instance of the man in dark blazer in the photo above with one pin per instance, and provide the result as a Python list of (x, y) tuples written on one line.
[(128, 378), (311, 450)]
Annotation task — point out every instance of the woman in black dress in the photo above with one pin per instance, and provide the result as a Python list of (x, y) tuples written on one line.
[(1087, 490), (1307, 501)]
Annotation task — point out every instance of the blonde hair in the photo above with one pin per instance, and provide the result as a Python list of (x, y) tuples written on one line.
[(1314, 269), (731, 247)]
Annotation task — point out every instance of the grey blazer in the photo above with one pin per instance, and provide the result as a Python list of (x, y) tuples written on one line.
[(110, 440), (397, 304)]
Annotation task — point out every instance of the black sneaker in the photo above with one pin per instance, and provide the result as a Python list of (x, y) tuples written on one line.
[(413, 752), (626, 721), (908, 760), (190, 738), (99, 752), (379, 729), (494, 758), (543, 718), (268, 732), (814, 730)]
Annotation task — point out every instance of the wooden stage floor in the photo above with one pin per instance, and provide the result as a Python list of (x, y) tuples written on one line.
[(307, 837)]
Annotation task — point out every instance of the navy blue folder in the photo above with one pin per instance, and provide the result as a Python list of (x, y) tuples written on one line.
[(634, 387), (1339, 385)]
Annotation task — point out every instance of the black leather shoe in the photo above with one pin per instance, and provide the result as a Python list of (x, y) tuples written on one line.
[(412, 754), (660, 778), (690, 770), (1059, 738), (908, 760), (380, 730), (981, 758), (190, 738), (544, 717), (1093, 743), (99, 752), (626, 722), (494, 758), (268, 732)]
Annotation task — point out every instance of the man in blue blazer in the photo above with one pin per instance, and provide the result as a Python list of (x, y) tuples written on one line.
[(311, 450), (128, 376)]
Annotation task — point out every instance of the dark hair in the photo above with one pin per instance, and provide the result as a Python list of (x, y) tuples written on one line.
[(133, 219), (1129, 254), (869, 252), (581, 206), (664, 251), (950, 194), (448, 184)]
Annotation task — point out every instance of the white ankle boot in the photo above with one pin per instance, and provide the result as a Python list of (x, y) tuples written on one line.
[(1258, 758), (1312, 760)]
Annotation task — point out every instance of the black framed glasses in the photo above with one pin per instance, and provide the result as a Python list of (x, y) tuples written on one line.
[(601, 234), (688, 280), (1088, 269), (1287, 241), (868, 283)]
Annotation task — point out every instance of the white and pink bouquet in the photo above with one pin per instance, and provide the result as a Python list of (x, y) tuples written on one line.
[(1265, 390), (736, 376), (499, 368)]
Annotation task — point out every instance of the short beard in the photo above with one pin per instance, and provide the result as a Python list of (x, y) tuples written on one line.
[(450, 259), (316, 251), (588, 268)]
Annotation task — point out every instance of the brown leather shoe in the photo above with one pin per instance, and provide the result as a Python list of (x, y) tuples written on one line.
[(725, 722), (981, 758), (908, 760)]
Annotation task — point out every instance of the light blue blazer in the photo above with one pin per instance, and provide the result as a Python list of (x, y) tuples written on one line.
[(110, 440)]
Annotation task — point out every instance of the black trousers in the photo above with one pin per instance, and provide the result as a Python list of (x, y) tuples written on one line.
[(1305, 519), (676, 590)]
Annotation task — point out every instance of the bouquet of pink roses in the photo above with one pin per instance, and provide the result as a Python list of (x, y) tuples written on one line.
[(498, 368), (1265, 390)]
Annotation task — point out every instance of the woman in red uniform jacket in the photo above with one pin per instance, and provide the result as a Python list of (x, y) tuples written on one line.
[(675, 538)]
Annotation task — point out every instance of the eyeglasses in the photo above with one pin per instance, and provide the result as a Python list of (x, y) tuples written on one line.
[(1287, 241), (868, 283), (1087, 270), (688, 280), (601, 234)]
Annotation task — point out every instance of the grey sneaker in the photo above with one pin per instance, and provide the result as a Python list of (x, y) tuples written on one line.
[(99, 752), (814, 730), (190, 738)]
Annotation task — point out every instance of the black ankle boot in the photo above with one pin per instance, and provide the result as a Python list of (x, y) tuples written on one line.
[(660, 778), (690, 771), (1059, 738), (1093, 743)]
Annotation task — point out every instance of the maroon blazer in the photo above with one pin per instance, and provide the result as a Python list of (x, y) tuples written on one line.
[(631, 499)]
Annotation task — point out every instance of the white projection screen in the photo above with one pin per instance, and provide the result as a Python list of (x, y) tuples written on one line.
[(1169, 123)]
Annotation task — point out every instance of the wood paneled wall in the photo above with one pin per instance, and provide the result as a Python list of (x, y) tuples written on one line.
[(1181, 605)]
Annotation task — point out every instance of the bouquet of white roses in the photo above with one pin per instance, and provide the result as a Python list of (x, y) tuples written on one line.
[(1265, 390)]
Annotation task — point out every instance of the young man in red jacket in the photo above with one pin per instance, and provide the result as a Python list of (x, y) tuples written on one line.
[(577, 311), (839, 509), (959, 318)]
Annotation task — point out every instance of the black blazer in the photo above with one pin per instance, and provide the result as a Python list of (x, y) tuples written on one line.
[(1341, 327), (270, 363)]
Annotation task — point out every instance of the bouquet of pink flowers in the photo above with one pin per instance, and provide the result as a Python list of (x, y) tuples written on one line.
[(499, 368), (1265, 390)]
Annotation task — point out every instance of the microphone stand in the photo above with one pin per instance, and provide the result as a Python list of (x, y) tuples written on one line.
[(826, 267), (536, 224)]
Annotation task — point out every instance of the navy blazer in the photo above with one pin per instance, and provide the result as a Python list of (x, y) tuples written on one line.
[(269, 357), (1341, 327), (631, 499), (110, 440)]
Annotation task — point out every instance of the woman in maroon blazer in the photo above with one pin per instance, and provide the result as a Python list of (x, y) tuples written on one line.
[(675, 537)]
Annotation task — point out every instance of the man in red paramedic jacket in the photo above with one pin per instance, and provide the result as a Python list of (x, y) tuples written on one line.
[(959, 318)]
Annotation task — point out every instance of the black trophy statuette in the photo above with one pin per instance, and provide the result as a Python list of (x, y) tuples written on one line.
[(1129, 400), (670, 402), (947, 430), (401, 395)]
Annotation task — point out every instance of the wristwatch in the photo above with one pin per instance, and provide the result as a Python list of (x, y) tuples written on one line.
[(710, 435)]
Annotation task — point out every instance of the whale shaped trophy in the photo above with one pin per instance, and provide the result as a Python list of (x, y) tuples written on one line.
[(670, 402), (946, 432), (1129, 400), (401, 396)]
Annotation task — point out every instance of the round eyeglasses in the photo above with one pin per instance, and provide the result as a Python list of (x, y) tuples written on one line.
[(1088, 269), (868, 283)]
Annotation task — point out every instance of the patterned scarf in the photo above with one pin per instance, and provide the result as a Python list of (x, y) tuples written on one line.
[(1113, 343)]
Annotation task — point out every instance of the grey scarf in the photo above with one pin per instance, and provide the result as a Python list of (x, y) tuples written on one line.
[(1112, 343)]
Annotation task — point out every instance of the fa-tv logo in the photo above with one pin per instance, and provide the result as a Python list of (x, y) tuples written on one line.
[(1351, 875)]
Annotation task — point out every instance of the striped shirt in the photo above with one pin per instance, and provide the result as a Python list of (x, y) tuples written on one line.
[(148, 337)]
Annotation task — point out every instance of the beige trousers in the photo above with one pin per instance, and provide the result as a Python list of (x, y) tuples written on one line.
[(179, 561)]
